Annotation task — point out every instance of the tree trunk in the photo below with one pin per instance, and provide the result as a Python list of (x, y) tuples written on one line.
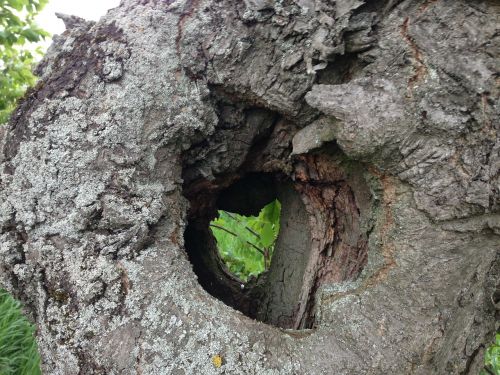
[(376, 123)]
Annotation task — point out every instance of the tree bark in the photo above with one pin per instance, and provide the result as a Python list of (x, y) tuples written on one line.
[(378, 123)]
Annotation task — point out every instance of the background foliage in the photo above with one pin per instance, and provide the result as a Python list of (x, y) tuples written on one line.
[(246, 243), (492, 358), (18, 349), (17, 29)]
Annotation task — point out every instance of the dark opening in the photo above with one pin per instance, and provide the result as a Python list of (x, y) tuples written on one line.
[(247, 196), (323, 224)]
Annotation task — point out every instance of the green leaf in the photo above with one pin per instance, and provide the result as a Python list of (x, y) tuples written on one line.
[(492, 356), (242, 239), (272, 211), (31, 35), (267, 235), (16, 4)]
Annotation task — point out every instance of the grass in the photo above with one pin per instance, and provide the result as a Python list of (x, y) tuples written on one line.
[(18, 348)]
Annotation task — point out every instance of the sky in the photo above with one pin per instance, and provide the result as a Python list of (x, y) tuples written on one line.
[(88, 9)]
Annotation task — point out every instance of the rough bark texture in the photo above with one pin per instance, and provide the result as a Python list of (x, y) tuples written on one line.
[(382, 116)]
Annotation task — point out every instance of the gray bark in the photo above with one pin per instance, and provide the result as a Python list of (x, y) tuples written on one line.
[(382, 118)]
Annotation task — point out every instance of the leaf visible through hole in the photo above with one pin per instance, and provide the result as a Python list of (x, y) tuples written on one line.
[(246, 243)]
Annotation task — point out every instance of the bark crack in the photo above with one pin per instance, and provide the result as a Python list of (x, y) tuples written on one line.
[(419, 69)]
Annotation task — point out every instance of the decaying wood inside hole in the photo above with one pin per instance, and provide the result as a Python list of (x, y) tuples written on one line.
[(338, 244), (321, 239)]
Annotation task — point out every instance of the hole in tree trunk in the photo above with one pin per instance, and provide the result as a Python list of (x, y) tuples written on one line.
[(322, 239), (246, 197), (326, 209)]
